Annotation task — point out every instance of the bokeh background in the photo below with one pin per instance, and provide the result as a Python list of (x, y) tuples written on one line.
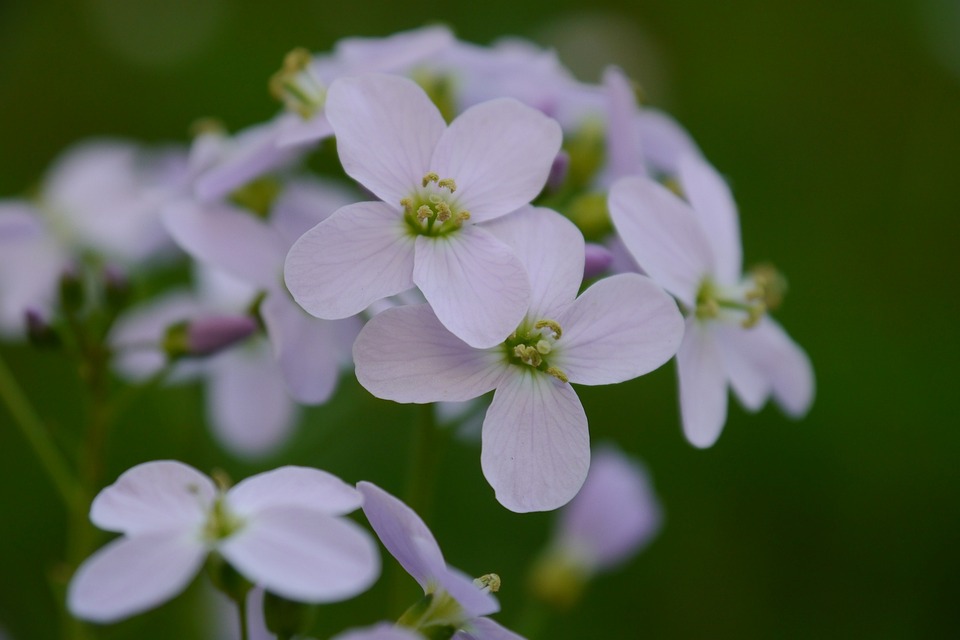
[(838, 123)]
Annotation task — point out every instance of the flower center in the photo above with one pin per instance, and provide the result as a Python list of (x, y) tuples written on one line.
[(220, 524), (762, 290), (297, 86), (433, 210), (532, 345)]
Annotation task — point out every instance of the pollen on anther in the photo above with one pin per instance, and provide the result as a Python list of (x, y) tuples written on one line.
[(553, 325), (430, 177), (424, 212), (558, 374), (463, 216), (448, 183)]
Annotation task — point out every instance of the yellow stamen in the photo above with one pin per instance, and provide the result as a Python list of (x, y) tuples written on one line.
[(448, 183), (430, 177), (558, 374), (489, 583), (424, 212), (553, 325)]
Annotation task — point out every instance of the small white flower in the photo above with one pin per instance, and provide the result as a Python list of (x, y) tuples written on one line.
[(692, 249), (278, 529)]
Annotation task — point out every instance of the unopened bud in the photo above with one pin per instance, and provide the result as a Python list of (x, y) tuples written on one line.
[(116, 287), (206, 336), (597, 259), (558, 172), (71, 291)]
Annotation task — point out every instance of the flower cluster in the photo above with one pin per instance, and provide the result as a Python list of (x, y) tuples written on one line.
[(505, 228)]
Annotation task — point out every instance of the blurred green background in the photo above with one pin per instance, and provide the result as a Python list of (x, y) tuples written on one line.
[(838, 123)]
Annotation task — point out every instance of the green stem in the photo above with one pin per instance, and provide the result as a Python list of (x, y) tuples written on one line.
[(423, 463), (242, 612), (32, 428)]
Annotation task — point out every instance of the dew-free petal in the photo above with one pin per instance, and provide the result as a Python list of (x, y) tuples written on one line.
[(713, 205), (535, 446), (361, 254), (154, 496), (304, 555), (475, 283), (304, 487), (620, 328), (663, 235), (500, 154), (703, 386), (131, 575)]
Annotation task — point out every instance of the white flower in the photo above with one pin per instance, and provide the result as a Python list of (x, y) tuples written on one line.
[(535, 443), (278, 529), (436, 182), (693, 250)]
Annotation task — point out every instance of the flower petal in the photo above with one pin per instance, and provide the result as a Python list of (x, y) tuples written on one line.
[(620, 328), (360, 254), (500, 154), (380, 631), (227, 238), (536, 447), (485, 629), (551, 249), (247, 402), (713, 204), (663, 234), (305, 348), (154, 496), (292, 486), (404, 354), (742, 356), (131, 575), (663, 141), (304, 555), (386, 129), (297, 131), (475, 283), (788, 368), (402, 532), (703, 386), (614, 513), (625, 157), (462, 588), (305, 203)]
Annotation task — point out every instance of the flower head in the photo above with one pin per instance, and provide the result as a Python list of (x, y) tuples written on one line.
[(279, 529), (535, 443), (436, 184), (692, 248)]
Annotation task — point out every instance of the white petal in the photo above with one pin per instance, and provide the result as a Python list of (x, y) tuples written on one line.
[(154, 496), (621, 327), (462, 588), (305, 348), (661, 232), (404, 354), (714, 207), (227, 238), (663, 141), (499, 153), (536, 447), (381, 631), (486, 629), (403, 533), (131, 575), (788, 368), (304, 555), (551, 249), (305, 203), (623, 140), (743, 357), (247, 402), (362, 253), (291, 486), (703, 386), (386, 129), (475, 283), (297, 131)]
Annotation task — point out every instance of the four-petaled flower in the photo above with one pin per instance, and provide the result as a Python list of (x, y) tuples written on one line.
[(436, 184), (535, 445), (693, 250), (278, 529)]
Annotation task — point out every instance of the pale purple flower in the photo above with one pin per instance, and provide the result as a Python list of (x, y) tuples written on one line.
[(309, 351), (535, 443), (457, 601), (692, 249), (381, 631), (279, 529), (435, 182)]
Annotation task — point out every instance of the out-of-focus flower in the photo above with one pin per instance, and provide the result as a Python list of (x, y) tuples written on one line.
[(382, 631), (535, 443), (692, 249), (614, 515), (435, 183), (451, 601), (279, 529)]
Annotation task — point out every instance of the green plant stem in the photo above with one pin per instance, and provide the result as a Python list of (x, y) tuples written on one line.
[(423, 463), (242, 612), (32, 428)]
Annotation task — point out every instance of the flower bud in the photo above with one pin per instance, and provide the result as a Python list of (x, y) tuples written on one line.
[(286, 618), (39, 332), (71, 291), (116, 288), (558, 172), (206, 336), (597, 260)]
